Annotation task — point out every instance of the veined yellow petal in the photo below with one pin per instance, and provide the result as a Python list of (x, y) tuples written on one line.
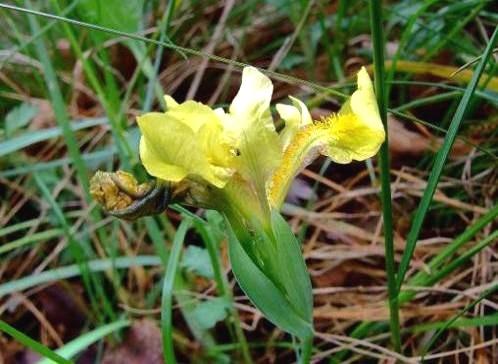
[(172, 148), (170, 102), (254, 95), (357, 128), (250, 121), (194, 115)]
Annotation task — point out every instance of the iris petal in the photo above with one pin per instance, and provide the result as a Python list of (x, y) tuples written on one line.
[(295, 116), (355, 133), (185, 141)]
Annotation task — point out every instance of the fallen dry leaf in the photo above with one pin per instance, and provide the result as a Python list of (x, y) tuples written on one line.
[(142, 345), (404, 141)]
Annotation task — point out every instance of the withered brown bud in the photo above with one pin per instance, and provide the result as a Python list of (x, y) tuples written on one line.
[(121, 195)]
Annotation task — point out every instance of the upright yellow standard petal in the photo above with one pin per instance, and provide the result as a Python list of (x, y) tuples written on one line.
[(295, 116), (250, 121), (254, 95), (186, 141)]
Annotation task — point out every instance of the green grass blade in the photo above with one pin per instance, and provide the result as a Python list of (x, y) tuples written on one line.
[(167, 296), (70, 271), (90, 159), (385, 173), (84, 341), (457, 262), (30, 239), (440, 162), (460, 322), (32, 344), (59, 105), (208, 235), (421, 278), (31, 137)]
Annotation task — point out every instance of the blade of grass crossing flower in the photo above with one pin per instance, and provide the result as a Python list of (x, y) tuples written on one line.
[(167, 295), (440, 162), (385, 175), (32, 344), (190, 51)]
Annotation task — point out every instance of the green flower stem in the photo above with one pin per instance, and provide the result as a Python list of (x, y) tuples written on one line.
[(385, 177)]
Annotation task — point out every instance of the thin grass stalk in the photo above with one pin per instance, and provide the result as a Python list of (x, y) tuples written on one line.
[(32, 344), (440, 162), (167, 294), (163, 30), (58, 104), (385, 175)]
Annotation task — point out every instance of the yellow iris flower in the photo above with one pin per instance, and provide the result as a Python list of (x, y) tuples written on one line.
[(240, 152)]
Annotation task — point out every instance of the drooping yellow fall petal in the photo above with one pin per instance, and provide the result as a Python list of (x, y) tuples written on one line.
[(357, 128), (185, 141), (355, 133)]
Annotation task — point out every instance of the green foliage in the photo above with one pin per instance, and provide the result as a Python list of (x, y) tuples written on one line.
[(210, 312), (19, 117), (197, 260), (125, 16), (279, 285)]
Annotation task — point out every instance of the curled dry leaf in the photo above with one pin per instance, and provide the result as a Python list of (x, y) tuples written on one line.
[(404, 141)]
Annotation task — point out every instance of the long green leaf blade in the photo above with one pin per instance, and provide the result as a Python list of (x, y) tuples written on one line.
[(440, 162), (167, 296), (32, 344)]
